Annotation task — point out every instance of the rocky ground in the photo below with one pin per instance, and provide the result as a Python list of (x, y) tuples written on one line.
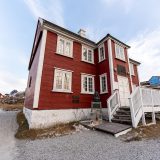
[(82, 145)]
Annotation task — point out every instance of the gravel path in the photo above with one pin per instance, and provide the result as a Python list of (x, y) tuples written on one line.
[(87, 145)]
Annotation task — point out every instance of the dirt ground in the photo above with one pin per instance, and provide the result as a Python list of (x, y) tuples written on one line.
[(11, 107), (24, 132), (143, 132)]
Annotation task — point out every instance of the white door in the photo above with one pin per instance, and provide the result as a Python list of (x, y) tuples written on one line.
[(124, 91)]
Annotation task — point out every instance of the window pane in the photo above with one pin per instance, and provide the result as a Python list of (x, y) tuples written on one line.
[(68, 48), (89, 55), (101, 53), (58, 80), (85, 54), (61, 46), (90, 84), (85, 84), (67, 81), (103, 84)]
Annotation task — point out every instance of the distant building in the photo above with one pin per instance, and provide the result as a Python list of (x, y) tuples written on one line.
[(153, 82)]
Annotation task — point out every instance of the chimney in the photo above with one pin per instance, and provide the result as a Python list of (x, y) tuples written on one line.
[(82, 33)]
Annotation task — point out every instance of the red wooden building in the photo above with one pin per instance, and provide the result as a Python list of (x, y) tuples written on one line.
[(65, 70)]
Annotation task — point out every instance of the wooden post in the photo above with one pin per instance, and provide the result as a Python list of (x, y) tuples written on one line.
[(143, 114), (153, 113)]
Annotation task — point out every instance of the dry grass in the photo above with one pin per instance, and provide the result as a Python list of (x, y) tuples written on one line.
[(11, 107), (24, 132), (143, 132)]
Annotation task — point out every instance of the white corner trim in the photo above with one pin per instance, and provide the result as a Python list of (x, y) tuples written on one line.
[(110, 55), (130, 76), (39, 70)]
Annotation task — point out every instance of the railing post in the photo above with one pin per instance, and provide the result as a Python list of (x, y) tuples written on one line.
[(132, 113), (109, 111), (143, 114), (153, 113)]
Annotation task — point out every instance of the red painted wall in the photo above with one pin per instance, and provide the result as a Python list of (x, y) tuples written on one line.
[(135, 78), (120, 62), (55, 100), (29, 96), (103, 67)]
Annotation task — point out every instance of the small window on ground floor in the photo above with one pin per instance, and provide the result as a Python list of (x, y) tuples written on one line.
[(87, 84), (103, 83), (62, 80)]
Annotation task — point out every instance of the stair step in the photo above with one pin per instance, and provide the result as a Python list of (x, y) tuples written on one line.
[(124, 108), (123, 121), (123, 112), (117, 116)]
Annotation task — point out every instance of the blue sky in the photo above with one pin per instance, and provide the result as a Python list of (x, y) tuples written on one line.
[(135, 22)]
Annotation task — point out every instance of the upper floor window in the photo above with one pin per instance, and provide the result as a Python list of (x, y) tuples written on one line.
[(87, 84), (103, 83), (87, 54), (64, 47), (101, 52), (132, 69), (119, 52), (62, 80)]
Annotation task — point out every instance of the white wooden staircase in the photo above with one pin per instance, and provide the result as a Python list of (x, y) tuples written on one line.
[(142, 101)]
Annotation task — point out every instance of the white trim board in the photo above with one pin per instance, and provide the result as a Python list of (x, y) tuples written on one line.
[(39, 70)]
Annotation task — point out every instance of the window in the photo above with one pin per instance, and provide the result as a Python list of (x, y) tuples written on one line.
[(87, 84), (65, 47), (119, 52), (62, 80), (103, 83), (132, 69), (87, 54), (121, 70), (101, 52)]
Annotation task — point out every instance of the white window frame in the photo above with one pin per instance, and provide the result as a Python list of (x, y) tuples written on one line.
[(99, 55), (83, 75), (70, 83), (132, 69), (100, 79), (65, 42), (119, 55), (83, 58)]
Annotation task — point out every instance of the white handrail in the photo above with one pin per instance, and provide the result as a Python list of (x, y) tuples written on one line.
[(113, 104), (144, 100)]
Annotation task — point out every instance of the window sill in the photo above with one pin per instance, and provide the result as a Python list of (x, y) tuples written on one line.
[(121, 60), (104, 92), (61, 91), (87, 92), (64, 55), (87, 62), (102, 60)]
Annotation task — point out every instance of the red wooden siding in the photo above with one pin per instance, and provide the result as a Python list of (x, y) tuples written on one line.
[(32, 73), (103, 67), (57, 100), (135, 78)]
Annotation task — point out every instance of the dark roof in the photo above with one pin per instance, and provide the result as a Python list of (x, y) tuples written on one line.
[(67, 31), (110, 36), (134, 61), (46, 22)]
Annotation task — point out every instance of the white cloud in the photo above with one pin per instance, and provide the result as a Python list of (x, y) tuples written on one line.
[(146, 48), (10, 81), (95, 33), (126, 4), (49, 9)]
